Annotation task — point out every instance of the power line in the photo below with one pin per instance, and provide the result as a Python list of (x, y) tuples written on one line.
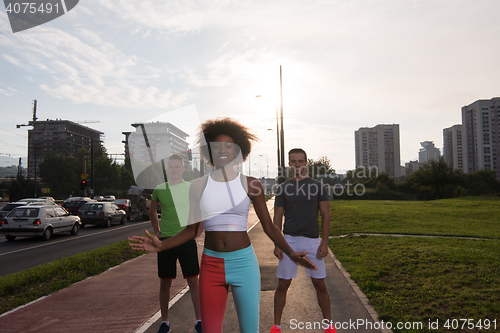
[(24, 136)]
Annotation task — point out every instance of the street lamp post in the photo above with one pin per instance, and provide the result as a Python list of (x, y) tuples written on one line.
[(260, 169), (280, 136), (282, 132), (267, 164)]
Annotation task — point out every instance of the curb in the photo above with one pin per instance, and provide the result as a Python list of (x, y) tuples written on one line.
[(362, 297)]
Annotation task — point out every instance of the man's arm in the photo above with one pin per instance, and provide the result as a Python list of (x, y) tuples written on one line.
[(324, 209), (278, 222), (153, 216)]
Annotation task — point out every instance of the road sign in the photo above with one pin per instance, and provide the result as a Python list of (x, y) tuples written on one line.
[(84, 176)]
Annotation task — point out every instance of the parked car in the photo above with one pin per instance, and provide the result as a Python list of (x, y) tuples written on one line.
[(48, 198), (109, 198), (68, 200), (29, 221), (103, 213), (124, 205), (10, 206), (39, 200), (98, 197), (74, 206)]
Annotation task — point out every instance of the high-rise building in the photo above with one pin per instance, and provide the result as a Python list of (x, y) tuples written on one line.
[(58, 136), (411, 167), (428, 152), (452, 147), (156, 141), (481, 129), (379, 147)]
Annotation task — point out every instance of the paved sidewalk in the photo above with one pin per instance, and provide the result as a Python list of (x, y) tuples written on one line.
[(125, 299)]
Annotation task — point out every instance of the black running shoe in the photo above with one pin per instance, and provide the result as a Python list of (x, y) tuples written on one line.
[(164, 328), (197, 327)]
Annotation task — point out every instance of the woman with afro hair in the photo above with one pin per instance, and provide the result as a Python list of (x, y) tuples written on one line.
[(221, 200)]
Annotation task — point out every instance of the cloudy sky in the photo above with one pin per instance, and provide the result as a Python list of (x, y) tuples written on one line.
[(346, 64)]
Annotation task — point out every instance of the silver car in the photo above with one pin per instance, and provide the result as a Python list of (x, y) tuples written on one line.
[(39, 201), (43, 221)]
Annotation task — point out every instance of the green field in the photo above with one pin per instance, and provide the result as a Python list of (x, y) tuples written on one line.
[(28, 285), (473, 217), (417, 280)]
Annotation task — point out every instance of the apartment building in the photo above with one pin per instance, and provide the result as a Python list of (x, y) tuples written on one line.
[(155, 141), (379, 147), (58, 136), (411, 167), (480, 121), (428, 152), (452, 147)]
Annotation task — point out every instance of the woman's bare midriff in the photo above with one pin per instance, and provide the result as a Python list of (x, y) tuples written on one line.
[(226, 241)]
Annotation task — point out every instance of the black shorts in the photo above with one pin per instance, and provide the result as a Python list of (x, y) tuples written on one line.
[(187, 254)]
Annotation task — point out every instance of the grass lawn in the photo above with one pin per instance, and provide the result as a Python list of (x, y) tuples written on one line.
[(475, 217), (28, 285), (424, 279)]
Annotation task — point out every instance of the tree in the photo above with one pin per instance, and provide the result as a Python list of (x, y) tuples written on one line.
[(482, 182), (439, 177), (381, 181), (320, 168), (59, 173), (127, 176), (361, 175), (21, 187)]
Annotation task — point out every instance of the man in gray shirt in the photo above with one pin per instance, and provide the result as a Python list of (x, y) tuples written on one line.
[(299, 200)]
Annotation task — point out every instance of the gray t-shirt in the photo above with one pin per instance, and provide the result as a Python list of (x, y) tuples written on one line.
[(301, 202)]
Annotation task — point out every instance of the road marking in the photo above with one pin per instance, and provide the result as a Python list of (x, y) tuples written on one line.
[(157, 315), (71, 239)]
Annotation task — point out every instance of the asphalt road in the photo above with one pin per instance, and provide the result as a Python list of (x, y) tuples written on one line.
[(27, 252)]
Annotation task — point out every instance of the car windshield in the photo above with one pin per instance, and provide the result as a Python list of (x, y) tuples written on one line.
[(121, 201), (94, 206), (24, 212), (11, 206), (76, 203)]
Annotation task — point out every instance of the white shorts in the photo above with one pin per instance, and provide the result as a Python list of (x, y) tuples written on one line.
[(287, 269)]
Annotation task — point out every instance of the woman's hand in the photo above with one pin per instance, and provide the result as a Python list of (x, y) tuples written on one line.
[(148, 244), (300, 258)]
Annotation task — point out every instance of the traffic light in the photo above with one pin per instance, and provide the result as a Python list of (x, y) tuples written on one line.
[(190, 155), (83, 184)]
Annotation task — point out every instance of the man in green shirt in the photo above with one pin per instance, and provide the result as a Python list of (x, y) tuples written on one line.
[(173, 197)]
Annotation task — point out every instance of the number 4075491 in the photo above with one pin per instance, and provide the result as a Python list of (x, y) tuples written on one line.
[(31, 7), (455, 324)]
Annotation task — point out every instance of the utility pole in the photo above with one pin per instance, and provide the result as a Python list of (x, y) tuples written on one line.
[(92, 166), (31, 123), (35, 148), (282, 132), (278, 145)]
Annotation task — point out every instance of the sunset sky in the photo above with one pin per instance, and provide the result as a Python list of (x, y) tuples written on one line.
[(346, 65)]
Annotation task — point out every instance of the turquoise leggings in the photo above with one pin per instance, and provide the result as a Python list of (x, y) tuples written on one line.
[(219, 270)]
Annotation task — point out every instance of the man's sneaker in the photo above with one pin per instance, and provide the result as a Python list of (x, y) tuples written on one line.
[(275, 329), (330, 329), (164, 328), (197, 327)]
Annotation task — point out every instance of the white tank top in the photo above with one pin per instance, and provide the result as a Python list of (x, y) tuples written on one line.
[(224, 205)]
